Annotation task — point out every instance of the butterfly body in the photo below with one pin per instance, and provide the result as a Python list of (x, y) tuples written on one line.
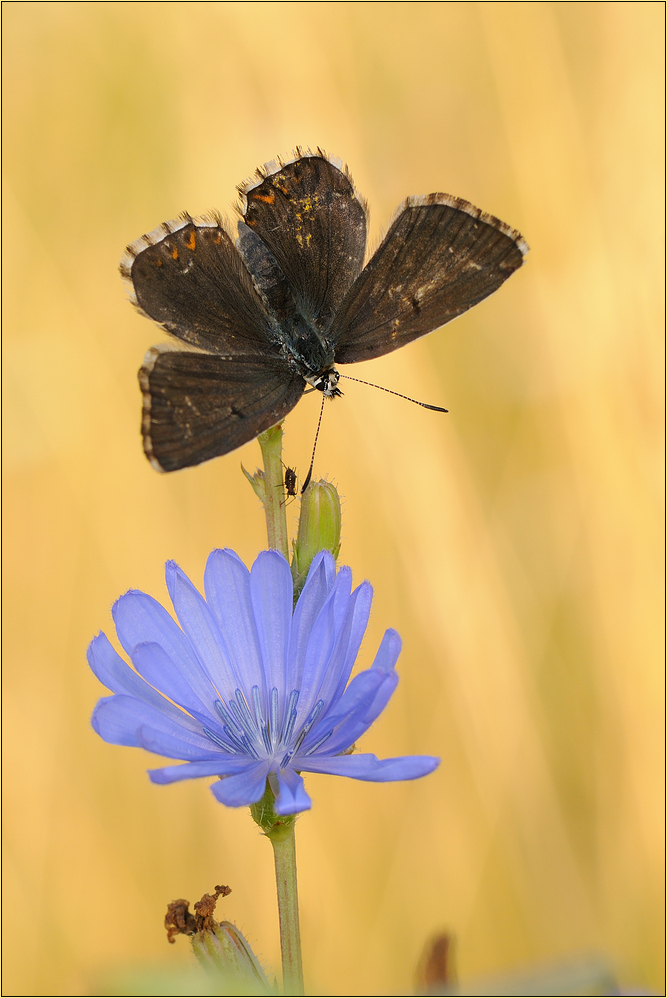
[(267, 316)]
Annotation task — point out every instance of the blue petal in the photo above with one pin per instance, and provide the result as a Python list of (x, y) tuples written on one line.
[(220, 766), (325, 563), (243, 789), (388, 652), (292, 797), (139, 619), (321, 659), (356, 700), (358, 721), (227, 585), (369, 767), (162, 742), (363, 700), (347, 645), (142, 620), (321, 578), (111, 670), (360, 702), (125, 721), (383, 667), (112, 726), (272, 595), (152, 661), (117, 676), (199, 625)]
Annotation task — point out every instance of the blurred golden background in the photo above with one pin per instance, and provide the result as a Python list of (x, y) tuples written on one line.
[(513, 543)]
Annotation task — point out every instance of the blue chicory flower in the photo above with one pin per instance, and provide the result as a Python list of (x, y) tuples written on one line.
[(247, 688)]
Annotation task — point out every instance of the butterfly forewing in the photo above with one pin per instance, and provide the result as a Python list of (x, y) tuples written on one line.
[(198, 406), (309, 216), (440, 257), (268, 279), (195, 284)]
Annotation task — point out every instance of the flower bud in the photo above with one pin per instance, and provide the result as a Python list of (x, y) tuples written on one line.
[(223, 951), (319, 529)]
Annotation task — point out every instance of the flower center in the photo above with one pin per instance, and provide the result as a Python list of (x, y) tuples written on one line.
[(259, 732)]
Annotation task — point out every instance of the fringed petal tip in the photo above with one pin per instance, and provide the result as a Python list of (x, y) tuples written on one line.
[(388, 652)]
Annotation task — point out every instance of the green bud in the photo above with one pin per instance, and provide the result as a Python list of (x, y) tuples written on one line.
[(319, 529)]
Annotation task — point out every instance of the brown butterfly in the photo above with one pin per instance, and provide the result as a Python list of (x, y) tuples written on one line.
[(271, 315)]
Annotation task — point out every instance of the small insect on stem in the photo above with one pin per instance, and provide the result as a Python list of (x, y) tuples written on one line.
[(290, 482)]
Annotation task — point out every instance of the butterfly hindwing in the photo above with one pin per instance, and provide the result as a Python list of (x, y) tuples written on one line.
[(200, 405), (309, 216), (440, 257), (190, 278)]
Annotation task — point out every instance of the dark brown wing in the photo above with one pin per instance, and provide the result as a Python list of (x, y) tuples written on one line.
[(440, 257), (188, 276), (308, 214), (198, 406)]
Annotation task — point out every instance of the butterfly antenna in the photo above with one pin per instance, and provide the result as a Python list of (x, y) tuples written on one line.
[(436, 408), (312, 460)]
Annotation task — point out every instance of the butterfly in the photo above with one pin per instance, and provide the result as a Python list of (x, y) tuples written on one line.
[(267, 316)]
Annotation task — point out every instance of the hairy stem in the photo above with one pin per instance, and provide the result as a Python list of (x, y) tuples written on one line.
[(284, 854), (280, 830), (271, 443)]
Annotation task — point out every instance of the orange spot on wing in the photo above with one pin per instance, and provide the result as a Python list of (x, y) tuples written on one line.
[(268, 198), (192, 242), (174, 253)]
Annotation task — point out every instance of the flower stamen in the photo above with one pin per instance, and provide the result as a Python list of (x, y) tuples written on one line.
[(250, 724), (227, 718), (290, 717), (227, 746), (320, 742), (273, 713), (259, 715), (241, 742)]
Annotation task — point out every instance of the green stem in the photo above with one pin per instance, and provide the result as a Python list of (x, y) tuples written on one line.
[(284, 854), (271, 443), (280, 830)]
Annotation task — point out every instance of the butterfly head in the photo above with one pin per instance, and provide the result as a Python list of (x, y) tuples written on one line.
[(326, 382)]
